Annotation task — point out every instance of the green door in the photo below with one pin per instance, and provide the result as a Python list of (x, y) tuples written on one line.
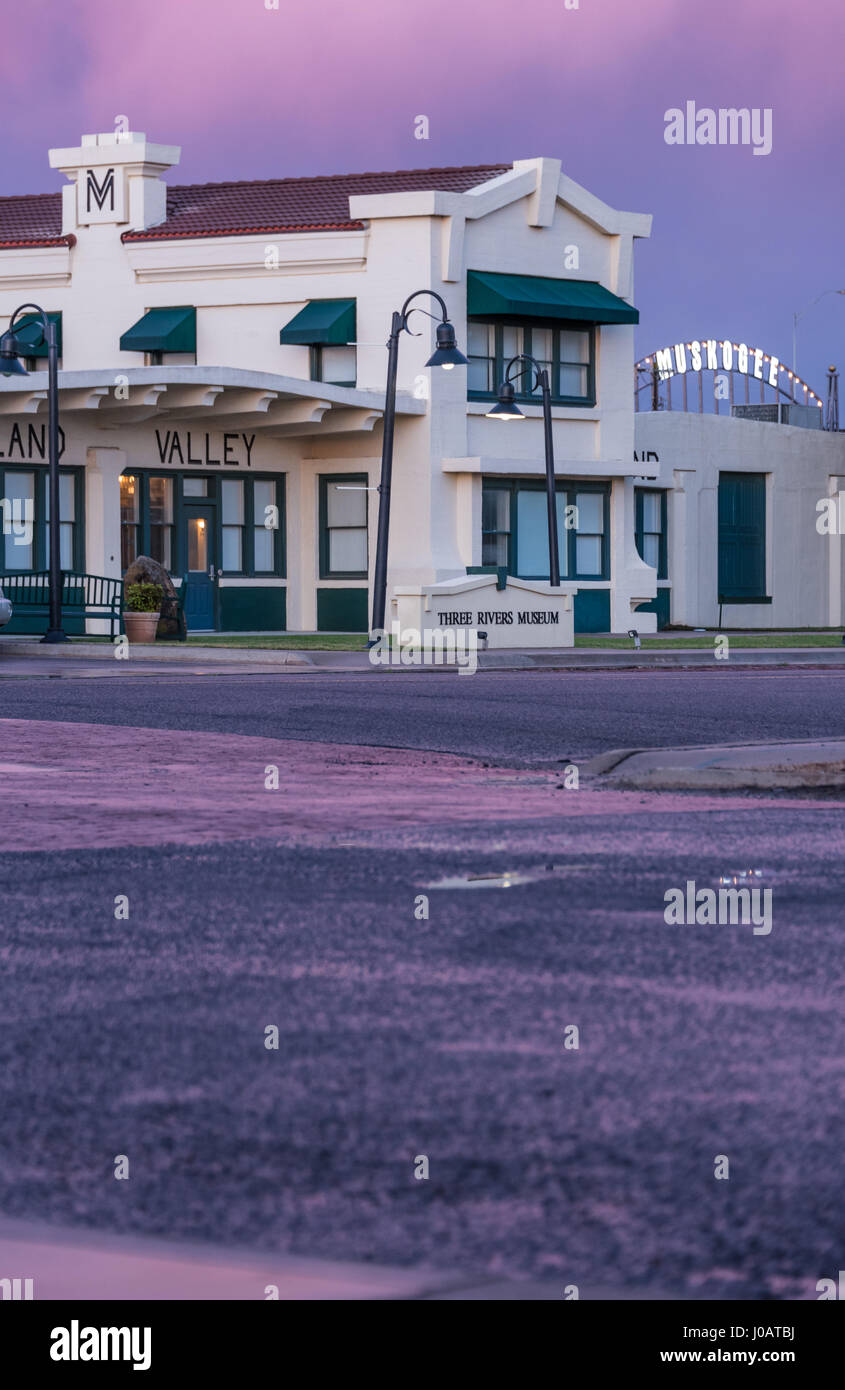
[(742, 537)]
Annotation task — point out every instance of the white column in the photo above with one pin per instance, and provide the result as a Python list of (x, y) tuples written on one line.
[(103, 468)]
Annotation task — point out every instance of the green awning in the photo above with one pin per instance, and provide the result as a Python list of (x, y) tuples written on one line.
[(30, 331), (492, 295), (322, 321), (163, 330)]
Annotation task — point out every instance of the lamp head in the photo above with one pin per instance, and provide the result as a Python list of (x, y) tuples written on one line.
[(11, 351), (446, 354), (506, 407)]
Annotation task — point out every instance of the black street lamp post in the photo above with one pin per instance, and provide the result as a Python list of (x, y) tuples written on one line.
[(506, 408), (445, 355), (12, 349)]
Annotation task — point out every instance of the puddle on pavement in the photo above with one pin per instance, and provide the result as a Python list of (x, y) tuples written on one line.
[(743, 878), (508, 878)]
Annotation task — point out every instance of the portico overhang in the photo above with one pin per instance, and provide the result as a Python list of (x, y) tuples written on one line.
[(225, 397)]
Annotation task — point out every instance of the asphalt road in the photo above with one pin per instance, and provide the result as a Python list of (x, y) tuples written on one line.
[(512, 717), (400, 1037), (444, 1037)]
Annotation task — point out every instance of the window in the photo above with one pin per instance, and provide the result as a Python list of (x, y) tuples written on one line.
[(515, 529), (67, 519), (197, 544), (532, 534), (161, 520), (495, 525), (265, 526), (335, 365), (130, 516), (589, 534), (481, 355), (25, 532), (651, 529), (18, 521), (232, 527), (573, 364), (154, 521), (343, 527), (566, 352)]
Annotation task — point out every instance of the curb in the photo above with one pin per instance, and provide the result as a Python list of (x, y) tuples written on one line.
[(787, 765), (67, 1264)]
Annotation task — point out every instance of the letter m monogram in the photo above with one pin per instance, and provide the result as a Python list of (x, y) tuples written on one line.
[(100, 191)]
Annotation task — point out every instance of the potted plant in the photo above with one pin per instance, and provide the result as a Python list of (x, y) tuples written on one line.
[(141, 610)]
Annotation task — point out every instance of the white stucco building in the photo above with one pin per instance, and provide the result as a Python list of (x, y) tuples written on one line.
[(223, 363), (740, 516)]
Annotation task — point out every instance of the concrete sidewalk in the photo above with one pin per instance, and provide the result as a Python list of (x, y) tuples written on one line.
[(79, 1265), (180, 655), (728, 767)]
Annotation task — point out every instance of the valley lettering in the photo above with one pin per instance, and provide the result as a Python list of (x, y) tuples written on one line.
[(173, 447)]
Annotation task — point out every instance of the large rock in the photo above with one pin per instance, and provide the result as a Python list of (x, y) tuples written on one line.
[(146, 570)]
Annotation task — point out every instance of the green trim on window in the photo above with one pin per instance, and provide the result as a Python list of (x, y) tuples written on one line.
[(163, 330), (40, 546), (323, 321), (317, 367), (326, 572), (501, 359), (491, 293), (178, 557), (567, 539), (639, 530)]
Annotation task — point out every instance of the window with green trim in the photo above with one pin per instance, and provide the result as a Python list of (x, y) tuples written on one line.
[(249, 513), (343, 526), (651, 531), (334, 364), (25, 532), (515, 528), (566, 351)]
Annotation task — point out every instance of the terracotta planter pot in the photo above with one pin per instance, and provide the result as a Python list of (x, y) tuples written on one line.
[(140, 627)]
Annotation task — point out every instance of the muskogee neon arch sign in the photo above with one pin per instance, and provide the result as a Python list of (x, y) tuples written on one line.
[(724, 355)]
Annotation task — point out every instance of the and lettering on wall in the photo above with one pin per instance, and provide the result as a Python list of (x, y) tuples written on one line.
[(27, 443)]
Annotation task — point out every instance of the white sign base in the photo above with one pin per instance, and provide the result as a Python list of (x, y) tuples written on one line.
[(527, 613)]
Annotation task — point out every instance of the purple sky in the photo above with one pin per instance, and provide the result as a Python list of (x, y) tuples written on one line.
[(739, 241)]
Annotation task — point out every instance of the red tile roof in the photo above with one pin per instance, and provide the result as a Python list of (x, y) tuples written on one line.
[(241, 209), (35, 220)]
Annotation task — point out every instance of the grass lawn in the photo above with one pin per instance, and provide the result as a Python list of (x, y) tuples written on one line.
[(356, 641)]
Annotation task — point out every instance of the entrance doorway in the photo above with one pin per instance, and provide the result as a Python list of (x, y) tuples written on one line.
[(201, 567)]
